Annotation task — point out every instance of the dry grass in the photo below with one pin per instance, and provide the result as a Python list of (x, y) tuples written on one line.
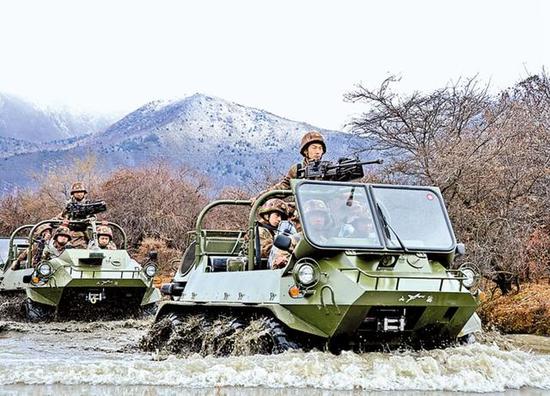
[(525, 312)]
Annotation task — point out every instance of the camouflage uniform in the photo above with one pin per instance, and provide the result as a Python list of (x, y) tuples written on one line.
[(53, 248), (266, 234), (266, 231), (307, 139), (34, 250), (79, 237)]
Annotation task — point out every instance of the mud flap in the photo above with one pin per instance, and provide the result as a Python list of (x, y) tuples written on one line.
[(472, 325), (152, 295)]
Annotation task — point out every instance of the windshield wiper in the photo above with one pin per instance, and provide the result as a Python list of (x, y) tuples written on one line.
[(349, 201), (388, 228)]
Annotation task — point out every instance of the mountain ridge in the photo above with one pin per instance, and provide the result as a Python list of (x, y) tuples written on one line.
[(23, 120), (229, 142)]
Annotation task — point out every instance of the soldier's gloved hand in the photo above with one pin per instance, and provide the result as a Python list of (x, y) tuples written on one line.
[(279, 262)]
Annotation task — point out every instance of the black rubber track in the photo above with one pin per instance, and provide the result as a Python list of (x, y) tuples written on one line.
[(37, 312)]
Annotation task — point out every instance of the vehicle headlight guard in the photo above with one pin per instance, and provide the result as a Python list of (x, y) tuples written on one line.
[(471, 273), (150, 270), (44, 269), (306, 272)]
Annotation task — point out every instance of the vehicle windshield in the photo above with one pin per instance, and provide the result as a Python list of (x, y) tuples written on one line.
[(337, 216), (417, 215), (360, 216)]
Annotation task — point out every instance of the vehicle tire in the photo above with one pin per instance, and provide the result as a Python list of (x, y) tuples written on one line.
[(149, 309), (37, 312), (279, 334)]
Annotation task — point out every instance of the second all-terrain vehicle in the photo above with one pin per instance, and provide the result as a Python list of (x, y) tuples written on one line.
[(373, 265), (88, 283)]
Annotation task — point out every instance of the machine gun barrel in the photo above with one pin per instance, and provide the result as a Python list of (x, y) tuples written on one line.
[(345, 169), (350, 161)]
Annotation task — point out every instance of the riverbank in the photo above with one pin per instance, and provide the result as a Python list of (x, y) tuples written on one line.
[(526, 312)]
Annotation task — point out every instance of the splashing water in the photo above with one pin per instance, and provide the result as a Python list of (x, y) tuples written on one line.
[(80, 355)]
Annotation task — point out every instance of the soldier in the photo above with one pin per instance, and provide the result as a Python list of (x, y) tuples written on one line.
[(357, 222), (270, 214), (78, 195), (105, 237), (318, 220), (58, 243), (79, 238), (45, 234), (312, 148), (317, 217)]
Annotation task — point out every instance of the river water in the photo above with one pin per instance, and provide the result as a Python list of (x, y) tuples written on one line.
[(103, 358)]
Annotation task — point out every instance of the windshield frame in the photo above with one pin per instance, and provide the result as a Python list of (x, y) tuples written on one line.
[(437, 193), (371, 197), (378, 248)]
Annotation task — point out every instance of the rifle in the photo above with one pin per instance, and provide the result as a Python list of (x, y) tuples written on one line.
[(345, 169), (80, 211)]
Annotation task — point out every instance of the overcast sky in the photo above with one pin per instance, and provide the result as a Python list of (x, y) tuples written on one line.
[(293, 58)]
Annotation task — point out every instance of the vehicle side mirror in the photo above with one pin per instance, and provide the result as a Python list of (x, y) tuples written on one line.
[(282, 242), (153, 255), (460, 249)]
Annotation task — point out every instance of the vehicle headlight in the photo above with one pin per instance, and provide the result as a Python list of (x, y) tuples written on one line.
[(471, 275), (306, 273), (150, 270), (44, 269)]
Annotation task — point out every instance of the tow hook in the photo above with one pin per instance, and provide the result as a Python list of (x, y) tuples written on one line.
[(392, 324), (95, 297)]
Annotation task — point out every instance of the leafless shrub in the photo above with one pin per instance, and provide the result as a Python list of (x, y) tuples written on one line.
[(154, 202), (230, 217)]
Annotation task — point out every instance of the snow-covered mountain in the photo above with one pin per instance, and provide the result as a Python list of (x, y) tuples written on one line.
[(29, 122), (229, 142)]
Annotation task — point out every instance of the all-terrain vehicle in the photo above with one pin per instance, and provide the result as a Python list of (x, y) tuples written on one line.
[(87, 282), (372, 265)]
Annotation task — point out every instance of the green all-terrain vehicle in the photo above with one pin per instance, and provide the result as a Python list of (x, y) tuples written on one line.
[(376, 269), (83, 283)]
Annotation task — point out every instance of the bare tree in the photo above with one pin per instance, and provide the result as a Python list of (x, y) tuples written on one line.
[(487, 153)]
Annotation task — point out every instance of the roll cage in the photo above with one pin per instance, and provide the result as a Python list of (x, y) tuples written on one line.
[(222, 242), (54, 222)]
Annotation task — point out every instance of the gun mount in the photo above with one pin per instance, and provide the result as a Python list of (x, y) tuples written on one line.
[(345, 169), (80, 211)]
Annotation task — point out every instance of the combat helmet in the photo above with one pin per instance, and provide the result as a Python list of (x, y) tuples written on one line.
[(78, 187), (317, 206), (43, 228), (273, 205), (355, 209), (312, 137), (105, 230), (62, 230)]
